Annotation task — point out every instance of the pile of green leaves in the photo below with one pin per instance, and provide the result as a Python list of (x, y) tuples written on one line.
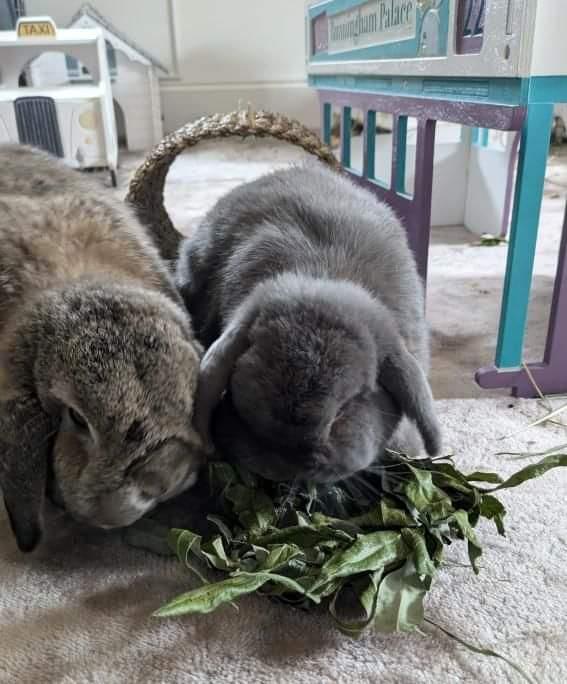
[(368, 549)]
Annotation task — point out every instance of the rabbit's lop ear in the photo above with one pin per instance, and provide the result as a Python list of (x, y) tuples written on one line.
[(402, 376), (24, 452), (215, 371)]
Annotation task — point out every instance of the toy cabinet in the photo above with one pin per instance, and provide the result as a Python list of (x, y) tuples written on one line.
[(73, 122), (490, 65)]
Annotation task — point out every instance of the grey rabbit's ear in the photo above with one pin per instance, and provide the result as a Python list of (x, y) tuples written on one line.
[(24, 451), (215, 371), (402, 376)]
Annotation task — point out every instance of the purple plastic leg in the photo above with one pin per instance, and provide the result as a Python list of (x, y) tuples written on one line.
[(419, 220), (415, 212), (551, 375), (556, 349)]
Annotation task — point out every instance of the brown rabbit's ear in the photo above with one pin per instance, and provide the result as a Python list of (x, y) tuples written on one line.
[(215, 371), (24, 451), (401, 375)]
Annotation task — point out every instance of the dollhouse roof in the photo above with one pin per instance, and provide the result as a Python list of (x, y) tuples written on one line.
[(87, 16)]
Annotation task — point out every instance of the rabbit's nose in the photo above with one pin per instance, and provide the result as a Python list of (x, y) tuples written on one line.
[(317, 459), (152, 485)]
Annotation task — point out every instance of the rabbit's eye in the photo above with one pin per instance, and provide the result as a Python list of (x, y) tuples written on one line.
[(78, 419)]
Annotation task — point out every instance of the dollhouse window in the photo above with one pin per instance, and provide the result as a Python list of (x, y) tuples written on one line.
[(320, 34), (73, 67), (470, 26), (111, 59), (76, 71)]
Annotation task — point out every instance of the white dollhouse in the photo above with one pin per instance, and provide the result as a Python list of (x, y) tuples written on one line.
[(75, 123), (134, 77)]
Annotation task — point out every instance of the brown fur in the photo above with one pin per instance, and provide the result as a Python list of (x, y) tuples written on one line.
[(90, 323)]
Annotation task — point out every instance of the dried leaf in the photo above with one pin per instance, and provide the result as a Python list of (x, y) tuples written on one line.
[(399, 607), (492, 509), (532, 471), (370, 552), (415, 541), (209, 597), (482, 651), (371, 557), (478, 476), (354, 603), (279, 556), (461, 519)]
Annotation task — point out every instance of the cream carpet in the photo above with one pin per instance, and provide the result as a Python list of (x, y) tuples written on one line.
[(79, 609)]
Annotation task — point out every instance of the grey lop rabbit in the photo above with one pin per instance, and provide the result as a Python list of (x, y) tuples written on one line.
[(98, 362), (306, 289)]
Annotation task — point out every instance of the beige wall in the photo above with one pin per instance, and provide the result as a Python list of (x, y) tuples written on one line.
[(218, 51), (144, 21)]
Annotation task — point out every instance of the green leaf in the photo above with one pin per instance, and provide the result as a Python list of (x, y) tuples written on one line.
[(479, 476), (524, 455), (461, 519), (370, 552), (489, 240), (279, 556), (306, 536), (240, 497), (532, 471), (221, 475), (184, 542), (492, 509), (415, 541), (222, 527), (320, 521), (215, 554), (463, 494), (444, 474), (424, 497), (316, 555), (322, 591), (399, 607), (385, 514), (353, 606), (209, 597), (482, 651), (255, 509), (380, 554)]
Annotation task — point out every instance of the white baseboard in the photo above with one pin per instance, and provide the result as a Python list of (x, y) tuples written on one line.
[(183, 102)]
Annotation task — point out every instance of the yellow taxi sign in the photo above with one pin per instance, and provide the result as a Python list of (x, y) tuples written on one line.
[(35, 27)]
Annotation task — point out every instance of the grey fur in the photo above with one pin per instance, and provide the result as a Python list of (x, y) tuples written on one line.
[(306, 289), (91, 330)]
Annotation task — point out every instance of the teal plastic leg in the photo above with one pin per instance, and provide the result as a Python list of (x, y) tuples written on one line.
[(523, 234), (370, 138), (400, 167), (346, 129), (327, 123)]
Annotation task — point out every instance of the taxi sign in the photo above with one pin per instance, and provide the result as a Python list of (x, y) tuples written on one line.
[(35, 27)]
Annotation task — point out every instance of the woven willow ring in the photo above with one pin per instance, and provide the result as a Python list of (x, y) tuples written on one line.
[(147, 185)]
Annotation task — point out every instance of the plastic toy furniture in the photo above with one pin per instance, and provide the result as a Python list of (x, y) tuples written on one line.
[(490, 64), (74, 122)]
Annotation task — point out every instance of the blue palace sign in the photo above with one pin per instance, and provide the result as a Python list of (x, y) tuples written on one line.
[(374, 23)]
